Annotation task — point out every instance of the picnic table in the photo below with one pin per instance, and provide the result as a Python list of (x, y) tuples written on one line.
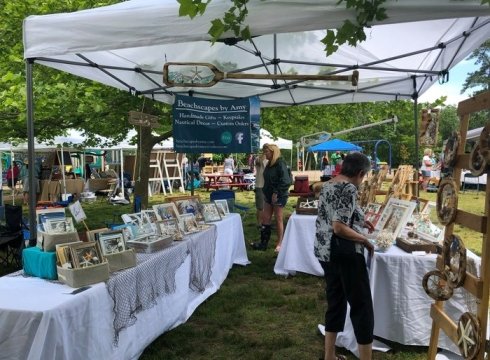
[(217, 180)]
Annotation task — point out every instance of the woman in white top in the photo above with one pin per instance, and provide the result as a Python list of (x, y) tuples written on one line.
[(426, 167), (229, 165)]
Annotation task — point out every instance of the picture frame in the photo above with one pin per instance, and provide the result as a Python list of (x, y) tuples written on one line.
[(112, 242), (169, 227), (93, 235), (395, 215), (222, 205), (189, 205), (149, 220), (166, 211), (45, 214), (188, 223), (135, 218), (59, 225), (85, 254), (210, 212)]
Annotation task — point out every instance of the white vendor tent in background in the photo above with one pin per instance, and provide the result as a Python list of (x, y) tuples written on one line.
[(126, 45), (267, 138)]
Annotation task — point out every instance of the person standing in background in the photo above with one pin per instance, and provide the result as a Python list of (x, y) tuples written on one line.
[(426, 167), (335, 157), (13, 175), (24, 176), (325, 161), (229, 165), (260, 164), (276, 190)]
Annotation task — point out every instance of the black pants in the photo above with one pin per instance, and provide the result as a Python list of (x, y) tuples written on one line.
[(347, 280)]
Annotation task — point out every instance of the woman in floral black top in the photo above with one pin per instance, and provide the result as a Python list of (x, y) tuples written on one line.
[(346, 277)]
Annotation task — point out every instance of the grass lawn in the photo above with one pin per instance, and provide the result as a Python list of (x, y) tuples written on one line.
[(257, 314)]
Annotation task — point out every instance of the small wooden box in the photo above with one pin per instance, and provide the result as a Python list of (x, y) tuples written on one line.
[(121, 260), (410, 245), (84, 276), (305, 211)]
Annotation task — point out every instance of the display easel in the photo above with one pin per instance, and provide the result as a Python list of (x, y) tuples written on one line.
[(478, 287)]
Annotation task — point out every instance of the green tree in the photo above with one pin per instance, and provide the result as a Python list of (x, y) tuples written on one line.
[(63, 101), (479, 80)]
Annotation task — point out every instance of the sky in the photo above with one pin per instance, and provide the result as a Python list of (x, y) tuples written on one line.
[(452, 89)]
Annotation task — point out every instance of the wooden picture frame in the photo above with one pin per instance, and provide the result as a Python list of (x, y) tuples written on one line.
[(210, 212), (166, 211), (188, 224), (93, 235), (222, 205), (112, 242), (429, 127), (189, 205), (59, 225), (85, 254), (395, 215), (169, 227)]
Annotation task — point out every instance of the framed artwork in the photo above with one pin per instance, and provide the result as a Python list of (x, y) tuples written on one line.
[(135, 218), (149, 216), (59, 225), (210, 212), (85, 254), (189, 205), (188, 223), (447, 201), (395, 216), (149, 220), (169, 227), (429, 127), (93, 235), (112, 242), (166, 211), (45, 214), (222, 206)]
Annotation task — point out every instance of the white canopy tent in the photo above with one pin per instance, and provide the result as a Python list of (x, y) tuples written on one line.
[(126, 45), (267, 138)]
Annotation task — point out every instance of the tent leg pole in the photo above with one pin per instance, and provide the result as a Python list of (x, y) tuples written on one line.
[(415, 97), (30, 153)]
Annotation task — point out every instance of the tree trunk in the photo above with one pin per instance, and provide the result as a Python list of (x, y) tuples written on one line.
[(142, 172)]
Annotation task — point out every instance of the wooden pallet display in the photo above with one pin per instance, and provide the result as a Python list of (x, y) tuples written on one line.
[(398, 185), (479, 287), (372, 186)]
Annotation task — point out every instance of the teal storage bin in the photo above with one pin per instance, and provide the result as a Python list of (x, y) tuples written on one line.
[(39, 263)]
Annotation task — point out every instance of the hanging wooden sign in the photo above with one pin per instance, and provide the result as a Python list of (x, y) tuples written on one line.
[(141, 119)]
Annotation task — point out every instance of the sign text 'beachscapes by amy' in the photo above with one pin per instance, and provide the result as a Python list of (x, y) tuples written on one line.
[(217, 126)]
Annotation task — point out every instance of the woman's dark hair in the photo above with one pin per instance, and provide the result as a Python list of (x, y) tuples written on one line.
[(354, 163)]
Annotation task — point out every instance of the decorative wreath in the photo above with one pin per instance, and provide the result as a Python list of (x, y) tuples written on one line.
[(478, 162), (451, 149), (469, 334), (436, 286), (454, 258), (484, 142), (447, 201)]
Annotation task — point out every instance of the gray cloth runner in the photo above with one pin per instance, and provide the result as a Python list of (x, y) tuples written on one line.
[(138, 288)]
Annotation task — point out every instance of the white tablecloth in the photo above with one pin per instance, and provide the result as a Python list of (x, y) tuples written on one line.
[(40, 320), (401, 306)]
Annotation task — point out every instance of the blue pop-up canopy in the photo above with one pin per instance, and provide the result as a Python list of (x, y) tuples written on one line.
[(334, 145)]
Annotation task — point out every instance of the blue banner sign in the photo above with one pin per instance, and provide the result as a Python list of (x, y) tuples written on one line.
[(216, 126)]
